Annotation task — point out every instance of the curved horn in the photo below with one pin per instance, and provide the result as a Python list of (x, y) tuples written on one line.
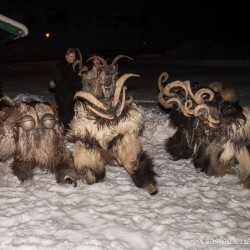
[(162, 78), (104, 62), (119, 57), (106, 116), (178, 101), (197, 112), (76, 62), (211, 124), (129, 101), (197, 109), (199, 95), (163, 102), (188, 105), (119, 111), (119, 85), (212, 120), (87, 96), (169, 86)]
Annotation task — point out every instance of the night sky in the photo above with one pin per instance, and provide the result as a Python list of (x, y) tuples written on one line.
[(133, 26)]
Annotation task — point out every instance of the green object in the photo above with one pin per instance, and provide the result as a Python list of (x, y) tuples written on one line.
[(11, 29)]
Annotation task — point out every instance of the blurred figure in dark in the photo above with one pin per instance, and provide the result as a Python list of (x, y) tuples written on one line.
[(67, 83), (93, 75), (92, 80)]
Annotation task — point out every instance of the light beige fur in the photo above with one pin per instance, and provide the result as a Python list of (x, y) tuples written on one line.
[(129, 126)]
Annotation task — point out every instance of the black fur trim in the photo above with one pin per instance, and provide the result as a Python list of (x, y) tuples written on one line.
[(23, 170), (144, 173), (177, 146), (114, 141)]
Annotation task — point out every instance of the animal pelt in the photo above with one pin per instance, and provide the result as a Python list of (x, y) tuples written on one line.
[(32, 135), (213, 132), (227, 94), (106, 131)]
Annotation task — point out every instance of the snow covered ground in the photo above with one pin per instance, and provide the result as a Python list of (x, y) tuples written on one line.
[(191, 210)]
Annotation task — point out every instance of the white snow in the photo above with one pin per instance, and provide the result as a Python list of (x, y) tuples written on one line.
[(191, 210)]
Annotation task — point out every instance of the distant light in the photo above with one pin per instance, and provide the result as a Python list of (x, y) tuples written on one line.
[(47, 35), (144, 43)]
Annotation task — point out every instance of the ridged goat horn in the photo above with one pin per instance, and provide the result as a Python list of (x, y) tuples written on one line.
[(87, 96), (119, 57), (162, 78), (119, 85), (199, 95), (76, 62), (180, 105), (104, 62), (175, 84), (197, 109), (197, 112), (99, 113), (163, 102), (119, 111)]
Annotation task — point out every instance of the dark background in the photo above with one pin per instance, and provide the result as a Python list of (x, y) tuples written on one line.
[(175, 29)]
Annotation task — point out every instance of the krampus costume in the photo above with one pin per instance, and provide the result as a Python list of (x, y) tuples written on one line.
[(106, 130), (33, 136), (213, 131)]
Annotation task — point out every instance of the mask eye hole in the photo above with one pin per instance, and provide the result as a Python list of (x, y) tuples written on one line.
[(48, 121), (27, 122)]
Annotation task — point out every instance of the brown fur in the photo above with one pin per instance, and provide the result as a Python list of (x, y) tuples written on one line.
[(41, 146), (99, 142), (230, 95), (216, 86), (227, 94), (215, 138)]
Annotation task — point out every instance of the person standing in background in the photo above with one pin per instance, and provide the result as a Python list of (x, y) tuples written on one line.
[(92, 80), (67, 83)]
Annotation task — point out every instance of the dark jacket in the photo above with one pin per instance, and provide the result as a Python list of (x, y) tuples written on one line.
[(67, 84)]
